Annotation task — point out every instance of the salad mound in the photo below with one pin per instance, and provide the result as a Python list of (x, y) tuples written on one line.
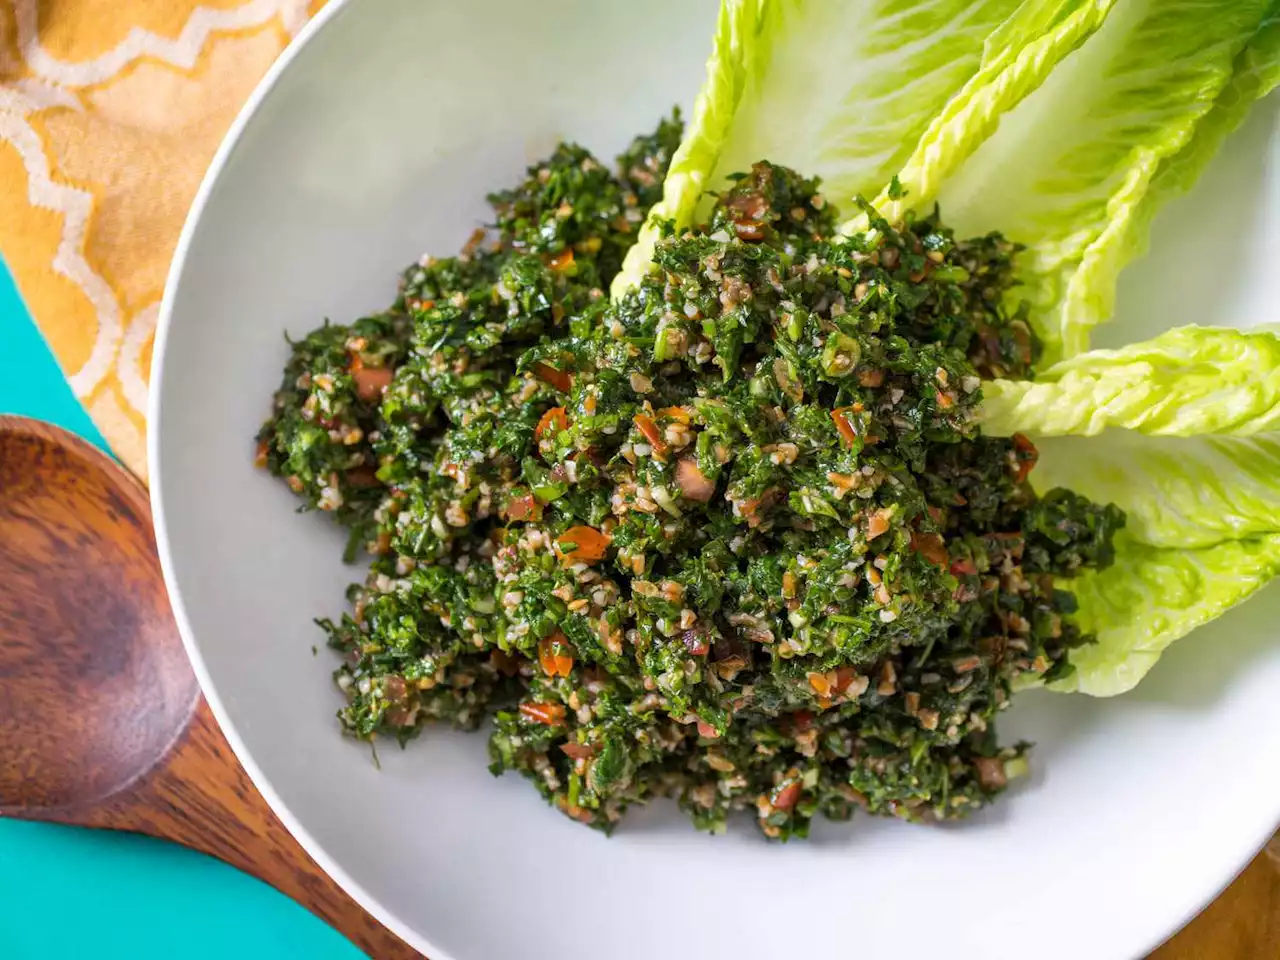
[(734, 537)]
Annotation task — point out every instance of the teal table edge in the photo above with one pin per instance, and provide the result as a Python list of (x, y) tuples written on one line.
[(67, 892)]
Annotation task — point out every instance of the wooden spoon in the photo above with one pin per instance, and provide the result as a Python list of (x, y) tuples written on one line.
[(101, 719)]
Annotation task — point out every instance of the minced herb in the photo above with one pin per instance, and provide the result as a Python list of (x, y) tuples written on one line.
[(734, 538)]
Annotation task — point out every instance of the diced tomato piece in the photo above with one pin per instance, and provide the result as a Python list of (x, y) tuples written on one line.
[(1026, 455), (877, 524), (930, 546), (561, 261), (785, 797), (552, 657), (692, 482), (550, 714), (394, 688), (557, 378), (844, 677), (991, 773), (578, 751), (526, 507), (370, 381), (695, 641), (820, 683), (553, 421), (845, 428), (644, 423), (583, 544)]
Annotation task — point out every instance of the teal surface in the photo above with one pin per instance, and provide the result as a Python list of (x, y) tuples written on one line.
[(70, 893)]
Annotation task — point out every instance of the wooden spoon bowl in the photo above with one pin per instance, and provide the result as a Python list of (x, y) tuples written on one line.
[(101, 719), (95, 684)]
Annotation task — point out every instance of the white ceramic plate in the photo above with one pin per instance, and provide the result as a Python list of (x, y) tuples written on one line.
[(376, 139)]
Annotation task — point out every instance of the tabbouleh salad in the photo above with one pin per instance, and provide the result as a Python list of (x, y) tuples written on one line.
[(734, 538)]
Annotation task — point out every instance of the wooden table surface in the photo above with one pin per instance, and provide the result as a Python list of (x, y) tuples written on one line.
[(1242, 924)]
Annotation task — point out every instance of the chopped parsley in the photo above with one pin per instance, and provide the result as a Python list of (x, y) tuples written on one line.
[(734, 538)]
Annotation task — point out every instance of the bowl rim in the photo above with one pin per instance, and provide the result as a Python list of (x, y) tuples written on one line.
[(230, 141), (1207, 890)]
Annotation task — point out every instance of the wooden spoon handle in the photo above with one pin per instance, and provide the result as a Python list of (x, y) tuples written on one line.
[(201, 798)]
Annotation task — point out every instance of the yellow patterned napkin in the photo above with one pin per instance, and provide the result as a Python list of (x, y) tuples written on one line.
[(110, 110)]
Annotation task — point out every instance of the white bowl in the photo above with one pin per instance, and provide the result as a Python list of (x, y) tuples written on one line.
[(376, 138)]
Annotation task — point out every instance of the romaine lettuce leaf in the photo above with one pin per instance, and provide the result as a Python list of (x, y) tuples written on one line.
[(1190, 380), (1151, 597), (1175, 491), (1020, 54), (844, 89), (1256, 73), (1183, 433), (1070, 167)]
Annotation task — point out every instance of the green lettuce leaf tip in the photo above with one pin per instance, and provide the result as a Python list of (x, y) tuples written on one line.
[(1151, 597), (1071, 170)]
